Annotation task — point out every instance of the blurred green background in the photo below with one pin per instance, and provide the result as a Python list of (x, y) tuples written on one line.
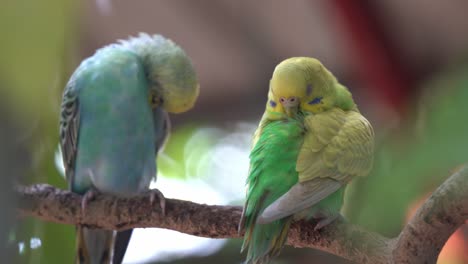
[(405, 62)]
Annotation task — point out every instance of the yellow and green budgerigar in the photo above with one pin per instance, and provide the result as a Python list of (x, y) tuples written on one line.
[(311, 141)]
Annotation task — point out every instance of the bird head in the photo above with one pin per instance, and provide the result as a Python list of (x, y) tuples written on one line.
[(171, 75), (304, 85), (176, 83)]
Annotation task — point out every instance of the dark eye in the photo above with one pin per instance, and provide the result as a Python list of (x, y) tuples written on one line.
[(282, 100), (272, 103), (315, 101), (292, 100)]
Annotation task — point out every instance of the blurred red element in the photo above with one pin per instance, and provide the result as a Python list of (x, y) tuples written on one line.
[(385, 77)]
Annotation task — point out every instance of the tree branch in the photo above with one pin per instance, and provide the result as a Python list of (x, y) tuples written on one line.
[(419, 242), (422, 239)]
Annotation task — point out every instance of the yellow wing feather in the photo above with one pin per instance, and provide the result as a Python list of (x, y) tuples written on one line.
[(337, 144)]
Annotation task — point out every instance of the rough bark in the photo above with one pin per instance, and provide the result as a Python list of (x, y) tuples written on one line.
[(419, 242), (422, 239)]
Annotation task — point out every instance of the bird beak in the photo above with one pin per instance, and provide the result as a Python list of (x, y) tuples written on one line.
[(290, 111), (290, 105)]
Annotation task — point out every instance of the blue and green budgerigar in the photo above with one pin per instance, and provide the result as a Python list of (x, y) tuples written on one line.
[(311, 141), (113, 122)]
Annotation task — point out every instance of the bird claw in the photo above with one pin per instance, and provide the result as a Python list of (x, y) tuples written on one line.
[(162, 200), (87, 197), (326, 220)]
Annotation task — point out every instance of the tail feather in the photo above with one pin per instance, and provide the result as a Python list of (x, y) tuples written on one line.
[(280, 240), (94, 246), (265, 241), (121, 243)]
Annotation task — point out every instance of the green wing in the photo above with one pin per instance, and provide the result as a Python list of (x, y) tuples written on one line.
[(272, 173), (338, 146)]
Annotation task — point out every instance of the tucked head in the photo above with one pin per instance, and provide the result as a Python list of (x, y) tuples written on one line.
[(170, 72), (177, 82), (303, 84)]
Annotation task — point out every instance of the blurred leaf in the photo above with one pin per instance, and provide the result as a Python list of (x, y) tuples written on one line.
[(409, 164), (35, 65), (184, 154)]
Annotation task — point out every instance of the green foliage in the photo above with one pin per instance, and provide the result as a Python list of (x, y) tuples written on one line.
[(415, 158), (33, 69), (184, 154)]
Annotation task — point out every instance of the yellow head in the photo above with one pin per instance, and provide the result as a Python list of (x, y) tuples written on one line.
[(172, 77), (301, 84)]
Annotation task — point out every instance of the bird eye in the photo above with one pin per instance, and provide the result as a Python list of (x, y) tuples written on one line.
[(292, 99), (155, 100), (282, 100), (272, 103), (315, 101)]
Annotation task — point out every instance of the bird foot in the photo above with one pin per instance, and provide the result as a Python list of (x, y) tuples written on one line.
[(162, 200), (87, 197), (325, 220)]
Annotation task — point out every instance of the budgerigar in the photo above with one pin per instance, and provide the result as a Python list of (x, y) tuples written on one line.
[(113, 122), (311, 141)]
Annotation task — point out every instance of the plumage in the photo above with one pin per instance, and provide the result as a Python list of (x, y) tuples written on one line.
[(113, 122), (274, 155), (311, 141)]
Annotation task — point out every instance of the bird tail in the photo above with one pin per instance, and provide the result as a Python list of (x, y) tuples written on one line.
[(121, 243), (265, 241), (94, 246)]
